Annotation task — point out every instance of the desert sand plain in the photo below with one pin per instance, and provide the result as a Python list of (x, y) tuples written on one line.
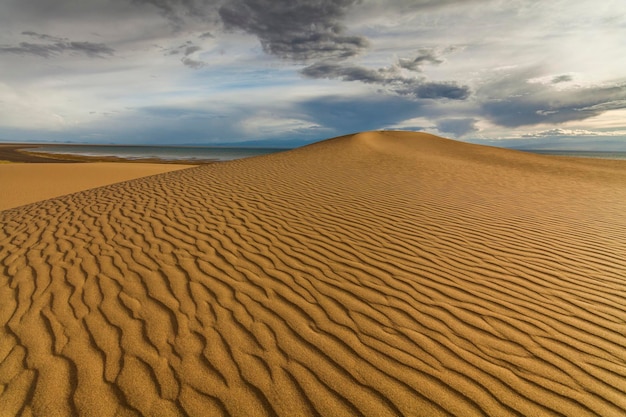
[(377, 274)]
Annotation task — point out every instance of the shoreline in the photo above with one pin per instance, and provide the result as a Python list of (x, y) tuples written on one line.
[(89, 158), (198, 155), (19, 153), (16, 152)]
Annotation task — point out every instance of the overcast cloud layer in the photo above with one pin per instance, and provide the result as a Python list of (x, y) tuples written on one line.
[(215, 71)]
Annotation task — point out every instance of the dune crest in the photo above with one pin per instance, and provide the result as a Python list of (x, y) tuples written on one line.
[(378, 274)]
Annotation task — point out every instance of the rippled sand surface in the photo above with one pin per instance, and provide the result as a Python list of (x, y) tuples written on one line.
[(380, 274), (31, 182)]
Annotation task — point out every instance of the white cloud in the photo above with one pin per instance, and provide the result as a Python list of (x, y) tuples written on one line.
[(415, 123), (573, 132), (269, 125)]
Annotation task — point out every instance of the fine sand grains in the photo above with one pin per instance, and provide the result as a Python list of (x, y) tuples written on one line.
[(380, 274), (27, 183)]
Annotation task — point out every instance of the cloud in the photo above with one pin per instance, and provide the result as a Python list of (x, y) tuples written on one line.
[(560, 132), (606, 106), (47, 50), (55, 46), (436, 90), (425, 55), (572, 132), (391, 78), (88, 48), (300, 30), (457, 126), (272, 125), (187, 49), (296, 29), (192, 63), (191, 49), (345, 73), (179, 11), (562, 79), (343, 115), (515, 101), (42, 37)]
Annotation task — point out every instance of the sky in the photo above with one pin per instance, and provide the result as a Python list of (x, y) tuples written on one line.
[(520, 72)]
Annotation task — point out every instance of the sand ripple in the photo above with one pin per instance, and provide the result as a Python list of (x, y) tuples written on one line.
[(372, 275)]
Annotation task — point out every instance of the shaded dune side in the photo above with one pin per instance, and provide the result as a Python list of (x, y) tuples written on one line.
[(379, 274)]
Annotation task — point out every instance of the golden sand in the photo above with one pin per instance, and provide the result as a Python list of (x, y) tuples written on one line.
[(380, 274), (27, 183)]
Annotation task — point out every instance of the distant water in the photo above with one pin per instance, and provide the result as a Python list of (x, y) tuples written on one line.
[(582, 154), (165, 153)]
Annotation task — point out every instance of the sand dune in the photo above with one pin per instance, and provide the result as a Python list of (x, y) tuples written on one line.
[(28, 183), (380, 274)]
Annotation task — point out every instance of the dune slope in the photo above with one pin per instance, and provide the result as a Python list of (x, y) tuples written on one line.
[(28, 183), (379, 274)]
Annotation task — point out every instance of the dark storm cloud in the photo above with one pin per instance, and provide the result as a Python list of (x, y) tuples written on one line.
[(305, 31), (391, 78), (55, 46), (301, 30), (513, 101), (295, 29), (386, 75)]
